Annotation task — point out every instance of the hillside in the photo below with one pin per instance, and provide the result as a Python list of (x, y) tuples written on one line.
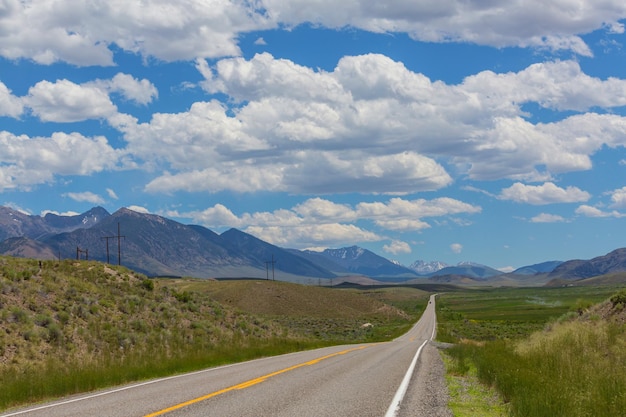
[(90, 324), (612, 262)]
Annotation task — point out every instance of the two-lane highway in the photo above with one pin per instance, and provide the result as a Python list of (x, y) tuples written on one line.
[(351, 380)]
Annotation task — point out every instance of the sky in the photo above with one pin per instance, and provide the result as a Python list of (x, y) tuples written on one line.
[(452, 130)]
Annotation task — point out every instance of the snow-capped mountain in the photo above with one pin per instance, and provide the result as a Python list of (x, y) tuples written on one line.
[(425, 268)]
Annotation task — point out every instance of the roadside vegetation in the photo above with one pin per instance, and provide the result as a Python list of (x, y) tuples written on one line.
[(75, 326), (546, 352)]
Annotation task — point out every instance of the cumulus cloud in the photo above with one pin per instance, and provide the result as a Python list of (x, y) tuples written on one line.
[(318, 222), (521, 23), (547, 218), (65, 101), (590, 211), (373, 126), (82, 31), (26, 161), (132, 89), (397, 247), (618, 198), (548, 193), (85, 197), (456, 248), (10, 105)]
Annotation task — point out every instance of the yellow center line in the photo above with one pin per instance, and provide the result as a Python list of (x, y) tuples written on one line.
[(250, 382)]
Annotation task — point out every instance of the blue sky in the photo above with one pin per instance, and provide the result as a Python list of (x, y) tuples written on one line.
[(445, 131)]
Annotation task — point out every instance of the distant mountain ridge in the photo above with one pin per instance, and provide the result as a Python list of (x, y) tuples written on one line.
[(14, 223), (426, 268), (154, 245), (613, 262)]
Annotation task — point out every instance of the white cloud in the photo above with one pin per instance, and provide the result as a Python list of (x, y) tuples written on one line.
[(547, 193), (370, 126), (547, 218), (396, 247), (65, 101), (330, 234), (618, 198), (398, 209), (317, 222), (139, 91), (319, 208), (112, 194), (520, 23), (85, 197), (139, 209), (456, 248), (17, 207), (590, 211), (10, 105), (371, 109), (26, 161), (82, 32), (66, 213)]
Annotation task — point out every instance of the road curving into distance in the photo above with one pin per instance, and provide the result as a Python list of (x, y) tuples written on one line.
[(376, 379)]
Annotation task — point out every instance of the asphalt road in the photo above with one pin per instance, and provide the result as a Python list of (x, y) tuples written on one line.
[(350, 380)]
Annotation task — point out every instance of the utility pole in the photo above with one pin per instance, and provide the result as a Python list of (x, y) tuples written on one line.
[(107, 240), (119, 245), (79, 251), (266, 268)]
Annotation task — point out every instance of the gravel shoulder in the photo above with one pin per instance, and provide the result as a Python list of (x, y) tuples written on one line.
[(427, 395)]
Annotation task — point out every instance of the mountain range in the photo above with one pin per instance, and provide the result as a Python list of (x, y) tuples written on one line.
[(157, 246)]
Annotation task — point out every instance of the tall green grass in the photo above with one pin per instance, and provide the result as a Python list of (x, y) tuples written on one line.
[(573, 368), (57, 378), (576, 370)]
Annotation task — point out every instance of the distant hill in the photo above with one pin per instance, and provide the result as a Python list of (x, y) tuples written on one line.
[(23, 247), (540, 268), (364, 262), (14, 223), (262, 253), (577, 269)]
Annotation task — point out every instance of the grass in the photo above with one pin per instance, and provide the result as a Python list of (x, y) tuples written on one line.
[(468, 397), (573, 366), (72, 326)]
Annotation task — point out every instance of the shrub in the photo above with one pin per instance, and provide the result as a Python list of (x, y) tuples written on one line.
[(619, 300), (147, 284)]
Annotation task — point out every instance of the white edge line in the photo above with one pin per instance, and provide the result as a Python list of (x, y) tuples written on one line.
[(397, 399), (394, 407)]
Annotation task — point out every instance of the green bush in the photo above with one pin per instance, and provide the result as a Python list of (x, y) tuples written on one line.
[(619, 300), (147, 284)]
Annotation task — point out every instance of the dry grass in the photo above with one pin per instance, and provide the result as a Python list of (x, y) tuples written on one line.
[(274, 298), (71, 326)]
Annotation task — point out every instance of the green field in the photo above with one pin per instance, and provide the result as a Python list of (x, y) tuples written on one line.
[(546, 351)]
